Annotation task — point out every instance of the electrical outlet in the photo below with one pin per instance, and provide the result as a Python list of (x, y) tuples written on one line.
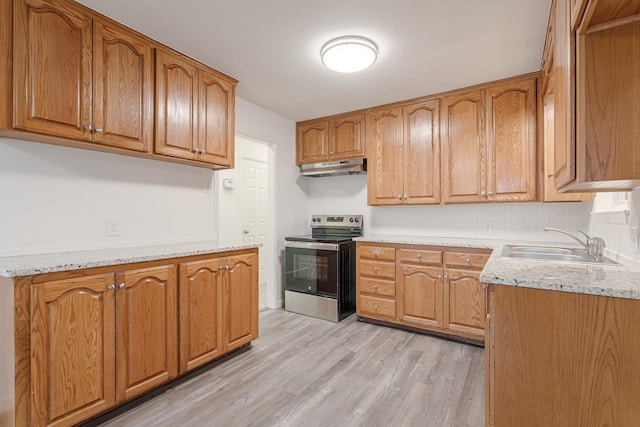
[(487, 227), (114, 227)]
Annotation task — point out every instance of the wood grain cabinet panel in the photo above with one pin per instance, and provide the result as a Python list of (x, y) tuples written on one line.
[(420, 293), (377, 308), (194, 111), (240, 301), (122, 89), (464, 297), (385, 156), (72, 349), (574, 355), (464, 147), (312, 142), (52, 60), (146, 330), (511, 117), (404, 154), (200, 312), (347, 137)]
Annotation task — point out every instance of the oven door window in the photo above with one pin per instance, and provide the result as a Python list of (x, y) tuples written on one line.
[(312, 271)]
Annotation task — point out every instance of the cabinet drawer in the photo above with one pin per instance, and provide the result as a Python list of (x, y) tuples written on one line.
[(420, 257), (377, 307), (377, 286), (377, 252), (377, 269), (465, 260)]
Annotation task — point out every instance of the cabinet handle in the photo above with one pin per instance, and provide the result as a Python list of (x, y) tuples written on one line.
[(420, 257), (376, 253), (468, 260), (221, 267), (483, 194), (446, 277), (88, 127), (439, 276), (375, 306), (405, 197), (399, 196), (99, 130), (226, 267), (375, 286), (122, 285), (331, 153), (551, 175), (375, 269), (111, 287)]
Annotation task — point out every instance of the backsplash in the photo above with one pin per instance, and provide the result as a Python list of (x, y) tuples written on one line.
[(521, 221), (618, 230)]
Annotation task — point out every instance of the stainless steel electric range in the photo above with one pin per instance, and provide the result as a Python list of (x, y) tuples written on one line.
[(321, 270)]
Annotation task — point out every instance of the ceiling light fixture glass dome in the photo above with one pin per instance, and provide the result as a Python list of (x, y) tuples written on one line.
[(349, 54)]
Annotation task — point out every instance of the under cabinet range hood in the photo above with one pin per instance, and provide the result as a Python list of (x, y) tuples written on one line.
[(341, 167)]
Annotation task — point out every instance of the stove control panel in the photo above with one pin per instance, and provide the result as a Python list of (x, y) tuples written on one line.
[(337, 221)]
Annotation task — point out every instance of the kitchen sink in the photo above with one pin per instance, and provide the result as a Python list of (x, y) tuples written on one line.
[(551, 253)]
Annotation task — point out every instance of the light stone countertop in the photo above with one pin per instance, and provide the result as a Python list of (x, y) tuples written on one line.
[(622, 281), (26, 265)]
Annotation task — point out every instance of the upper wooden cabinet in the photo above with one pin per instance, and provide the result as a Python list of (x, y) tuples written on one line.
[(404, 154), (489, 144), (77, 78), (80, 77), (52, 60), (339, 138), (596, 94), (194, 110)]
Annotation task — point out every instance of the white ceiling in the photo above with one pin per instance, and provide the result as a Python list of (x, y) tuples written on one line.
[(273, 46)]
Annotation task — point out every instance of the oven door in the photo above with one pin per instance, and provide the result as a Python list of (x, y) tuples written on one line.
[(312, 268)]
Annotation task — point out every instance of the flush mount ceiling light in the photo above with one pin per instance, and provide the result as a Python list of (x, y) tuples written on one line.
[(349, 54)]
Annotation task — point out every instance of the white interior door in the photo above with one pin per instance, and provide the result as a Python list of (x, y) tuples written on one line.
[(254, 214)]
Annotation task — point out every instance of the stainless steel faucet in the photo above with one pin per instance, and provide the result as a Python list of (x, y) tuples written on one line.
[(594, 245)]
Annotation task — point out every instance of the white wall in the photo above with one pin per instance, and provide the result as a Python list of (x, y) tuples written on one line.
[(522, 221), (617, 229), (58, 198)]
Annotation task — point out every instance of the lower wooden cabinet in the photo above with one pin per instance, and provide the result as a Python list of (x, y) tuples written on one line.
[(97, 340), (556, 358), (432, 288)]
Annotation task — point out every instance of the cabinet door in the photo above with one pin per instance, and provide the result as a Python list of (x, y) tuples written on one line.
[(240, 301), (564, 96), (464, 147), (122, 89), (464, 311), (176, 105), (52, 69), (216, 120), (200, 312), (422, 153), (385, 157), (420, 296), (511, 124), (312, 142), (146, 329), (72, 349), (346, 137)]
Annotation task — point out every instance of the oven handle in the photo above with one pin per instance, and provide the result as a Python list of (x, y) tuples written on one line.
[(312, 245)]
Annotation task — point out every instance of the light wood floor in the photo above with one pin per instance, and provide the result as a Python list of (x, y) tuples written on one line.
[(309, 372)]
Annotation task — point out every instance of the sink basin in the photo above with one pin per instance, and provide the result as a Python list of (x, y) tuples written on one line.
[(551, 253)]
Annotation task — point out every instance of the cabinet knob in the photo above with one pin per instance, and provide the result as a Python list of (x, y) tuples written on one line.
[(468, 260), (375, 269), (420, 256), (439, 276), (226, 267), (122, 285), (99, 130), (399, 196), (551, 175), (483, 194), (405, 197), (489, 194), (331, 153), (111, 287), (375, 286), (88, 127), (446, 277), (376, 253), (375, 306), (221, 267)]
